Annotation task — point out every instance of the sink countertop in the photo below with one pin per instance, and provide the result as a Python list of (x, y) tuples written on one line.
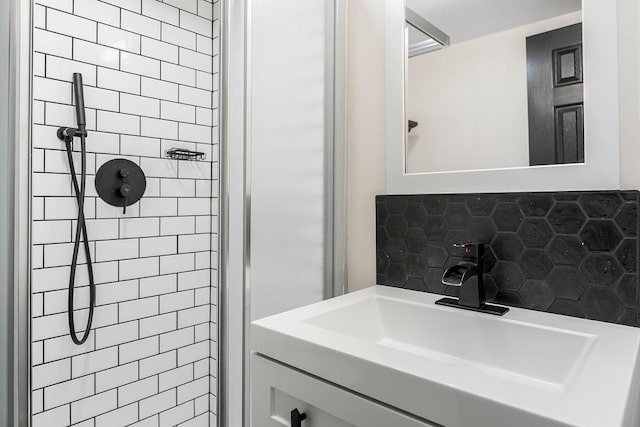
[(460, 368)]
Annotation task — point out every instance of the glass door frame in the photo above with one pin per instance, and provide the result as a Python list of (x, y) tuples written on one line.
[(15, 218)]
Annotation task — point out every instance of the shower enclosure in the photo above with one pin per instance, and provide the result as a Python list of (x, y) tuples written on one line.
[(153, 71), (5, 249)]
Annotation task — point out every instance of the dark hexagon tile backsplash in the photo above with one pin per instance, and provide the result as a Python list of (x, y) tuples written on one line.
[(571, 253)]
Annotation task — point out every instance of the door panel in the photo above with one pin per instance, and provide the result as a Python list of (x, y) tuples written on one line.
[(556, 96)]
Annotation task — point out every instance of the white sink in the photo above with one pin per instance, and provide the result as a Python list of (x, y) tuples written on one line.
[(460, 368), (521, 352)]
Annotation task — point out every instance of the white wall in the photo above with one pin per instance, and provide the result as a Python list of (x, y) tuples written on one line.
[(151, 82), (366, 141), (470, 102), (469, 19), (629, 34)]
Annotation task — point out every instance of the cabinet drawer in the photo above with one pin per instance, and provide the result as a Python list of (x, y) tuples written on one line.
[(277, 390)]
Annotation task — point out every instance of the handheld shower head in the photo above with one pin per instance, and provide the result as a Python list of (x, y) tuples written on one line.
[(78, 93)]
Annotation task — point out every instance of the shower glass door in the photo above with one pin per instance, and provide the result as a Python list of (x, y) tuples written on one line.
[(5, 217)]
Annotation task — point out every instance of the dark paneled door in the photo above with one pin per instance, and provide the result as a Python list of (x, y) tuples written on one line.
[(556, 96)]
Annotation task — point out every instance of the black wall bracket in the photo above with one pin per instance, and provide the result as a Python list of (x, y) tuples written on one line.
[(120, 182)]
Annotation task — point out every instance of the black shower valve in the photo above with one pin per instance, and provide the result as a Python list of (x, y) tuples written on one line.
[(121, 183)]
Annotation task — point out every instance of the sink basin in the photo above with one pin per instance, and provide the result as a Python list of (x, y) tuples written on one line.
[(522, 352), (459, 368)]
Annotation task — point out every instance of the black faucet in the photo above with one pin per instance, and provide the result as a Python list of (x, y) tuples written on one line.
[(468, 275)]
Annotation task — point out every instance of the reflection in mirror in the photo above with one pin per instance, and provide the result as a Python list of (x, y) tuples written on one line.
[(423, 36), (506, 91)]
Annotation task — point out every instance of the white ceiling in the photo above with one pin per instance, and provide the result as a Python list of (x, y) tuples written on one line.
[(469, 19)]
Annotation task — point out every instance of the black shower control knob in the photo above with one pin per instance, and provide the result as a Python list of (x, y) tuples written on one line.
[(125, 190), (124, 172)]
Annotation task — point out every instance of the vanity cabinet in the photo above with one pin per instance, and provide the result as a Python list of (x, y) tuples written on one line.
[(277, 390)]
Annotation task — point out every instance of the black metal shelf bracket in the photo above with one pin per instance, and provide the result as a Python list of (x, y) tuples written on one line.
[(184, 154)]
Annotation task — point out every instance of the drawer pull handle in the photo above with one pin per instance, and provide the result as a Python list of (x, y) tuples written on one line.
[(297, 418)]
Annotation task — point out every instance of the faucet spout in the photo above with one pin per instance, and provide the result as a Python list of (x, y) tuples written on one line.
[(460, 273), (468, 275)]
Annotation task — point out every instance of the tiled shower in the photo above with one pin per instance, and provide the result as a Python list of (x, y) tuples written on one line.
[(151, 76)]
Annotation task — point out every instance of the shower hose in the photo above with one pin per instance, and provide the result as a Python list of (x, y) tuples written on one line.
[(81, 226)]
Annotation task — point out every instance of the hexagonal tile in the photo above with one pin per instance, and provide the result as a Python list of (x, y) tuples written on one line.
[(535, 264), (396, 250), (435, 256), (415, 265), (435, 229), (567, 250), (508, 298), (396, 275), (535, 232), (396, 205), (626, 289), (435, 204), (381, 237), (416, 240), (433, 281), (601, 304), (507, 276), (566, 218), (601, 269), (489, 259), (536, 294), (627, 254), (507, 246), (457, 216), (382, 261), (566, 307), (481, 204), (567, 283), (600, 205), (628, 317), (453, 260), (415, 215), (508, 197), (481, 230), (629, 195), (507, 217), (533, 204), (627, 219), (396, 227), (490, 288), (566, 196), (600, 235), (382, 214), (415, 284)]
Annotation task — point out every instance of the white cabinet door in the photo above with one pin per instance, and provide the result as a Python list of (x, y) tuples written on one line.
[(277, 390)]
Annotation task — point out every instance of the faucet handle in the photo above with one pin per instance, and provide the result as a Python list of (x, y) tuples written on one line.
[(469, 248), (462, 245)]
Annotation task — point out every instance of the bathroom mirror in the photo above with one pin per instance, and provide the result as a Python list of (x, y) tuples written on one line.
[(508, 88), (497, 95)]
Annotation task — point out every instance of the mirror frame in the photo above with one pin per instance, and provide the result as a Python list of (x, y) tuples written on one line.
[(601, 170)]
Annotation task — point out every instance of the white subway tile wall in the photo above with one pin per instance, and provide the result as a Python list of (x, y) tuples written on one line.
[(150, 70)]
